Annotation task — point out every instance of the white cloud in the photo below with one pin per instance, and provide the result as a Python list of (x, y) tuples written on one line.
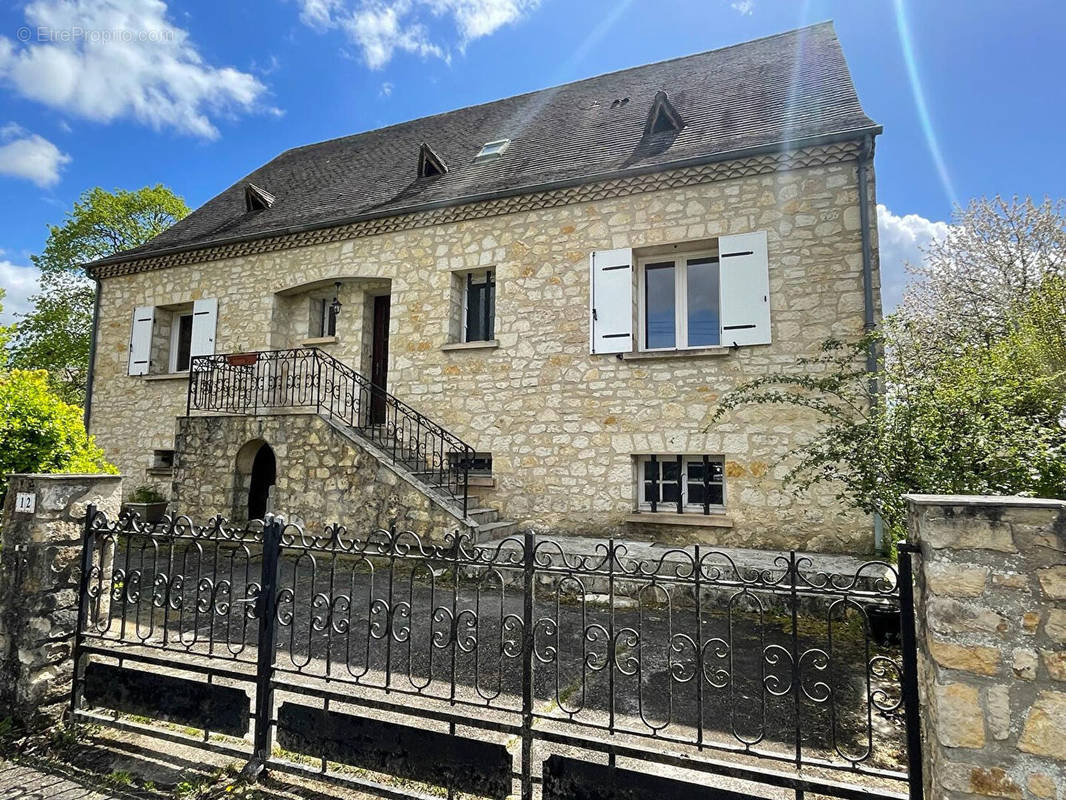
[(19, 282), (901, 239), (381, 28), (745, 7), (30, 156), (109, 59), (386, 89)]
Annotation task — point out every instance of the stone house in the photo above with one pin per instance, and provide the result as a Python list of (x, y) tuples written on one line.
[(515, 314)]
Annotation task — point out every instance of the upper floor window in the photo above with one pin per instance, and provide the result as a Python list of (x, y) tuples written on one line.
[(680, 302), (180, 341), (718, 295), (323, 318), (479, 306), (167, 338)]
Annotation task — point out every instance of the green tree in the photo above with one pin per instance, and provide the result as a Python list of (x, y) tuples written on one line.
[(986, 419), (55, 335), (971, 396), (41, 433), (5, 332)]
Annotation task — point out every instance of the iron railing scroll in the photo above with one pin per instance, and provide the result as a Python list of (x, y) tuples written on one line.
[(453, 650)]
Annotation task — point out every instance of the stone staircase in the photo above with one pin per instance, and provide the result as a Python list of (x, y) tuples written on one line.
[(483, 522), (419, 450)]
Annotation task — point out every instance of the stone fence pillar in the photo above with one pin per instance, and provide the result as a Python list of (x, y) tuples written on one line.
[(991, 608), (40, 547)]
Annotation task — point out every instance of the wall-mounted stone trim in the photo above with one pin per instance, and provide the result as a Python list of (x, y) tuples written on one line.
[(819, 155), (991, 606)]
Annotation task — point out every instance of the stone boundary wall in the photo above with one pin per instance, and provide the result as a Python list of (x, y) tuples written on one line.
[(39, 582), (991, 608)]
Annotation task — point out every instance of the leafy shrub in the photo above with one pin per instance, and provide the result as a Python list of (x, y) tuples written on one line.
[(41, 433), (147, 494)]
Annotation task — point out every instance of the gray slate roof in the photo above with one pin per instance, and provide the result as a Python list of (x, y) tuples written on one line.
[(760, 94)]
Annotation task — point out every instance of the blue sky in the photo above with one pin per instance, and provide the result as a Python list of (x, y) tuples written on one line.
[(124, 93)]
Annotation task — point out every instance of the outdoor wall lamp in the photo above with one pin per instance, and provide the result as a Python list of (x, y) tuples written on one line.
[(335, 306)]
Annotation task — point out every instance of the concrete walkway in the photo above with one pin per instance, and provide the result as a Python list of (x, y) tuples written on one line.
[(23, 782)]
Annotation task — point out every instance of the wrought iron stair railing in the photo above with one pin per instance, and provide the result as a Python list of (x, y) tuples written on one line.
[(263, 382)]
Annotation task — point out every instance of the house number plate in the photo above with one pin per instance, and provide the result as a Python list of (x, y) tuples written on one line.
[(25, 502)]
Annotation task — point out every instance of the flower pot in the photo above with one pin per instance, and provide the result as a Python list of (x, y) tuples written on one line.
[(147, 512)]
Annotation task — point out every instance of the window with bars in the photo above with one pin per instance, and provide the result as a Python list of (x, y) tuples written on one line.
[(681, 484)]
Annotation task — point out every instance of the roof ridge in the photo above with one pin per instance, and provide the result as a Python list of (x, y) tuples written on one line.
[(822, 24)]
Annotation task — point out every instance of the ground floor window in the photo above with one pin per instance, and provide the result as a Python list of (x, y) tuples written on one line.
[(681, 483)]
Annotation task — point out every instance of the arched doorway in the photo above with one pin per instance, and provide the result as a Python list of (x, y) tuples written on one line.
[(264, 473), (257, 472)]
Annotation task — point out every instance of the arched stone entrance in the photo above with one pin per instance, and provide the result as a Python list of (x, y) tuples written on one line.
[(257, 472)]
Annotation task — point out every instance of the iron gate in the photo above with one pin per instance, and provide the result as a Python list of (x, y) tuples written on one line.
[(517, 669)]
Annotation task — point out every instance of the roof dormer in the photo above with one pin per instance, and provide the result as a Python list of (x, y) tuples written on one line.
[(429, 163), (663, 117), (256, 199)]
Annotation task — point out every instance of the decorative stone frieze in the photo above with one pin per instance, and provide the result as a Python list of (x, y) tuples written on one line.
[(991, 652)]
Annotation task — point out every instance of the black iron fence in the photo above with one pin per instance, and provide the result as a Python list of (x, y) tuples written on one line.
[(269, 381), (485, 670)]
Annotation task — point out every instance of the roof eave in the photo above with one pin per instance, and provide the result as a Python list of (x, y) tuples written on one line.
[(792, 144)]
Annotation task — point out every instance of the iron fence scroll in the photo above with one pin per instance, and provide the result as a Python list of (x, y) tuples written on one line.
[(678, 659)]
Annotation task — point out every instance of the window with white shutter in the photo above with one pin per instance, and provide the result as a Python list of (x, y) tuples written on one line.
[(141, 340), (611, 306), (204, 319), (745, 277), (715, 297)]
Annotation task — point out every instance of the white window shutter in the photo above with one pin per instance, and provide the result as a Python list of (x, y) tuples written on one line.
[(204, 318), (611, 307), (745, 288), (141, 340)]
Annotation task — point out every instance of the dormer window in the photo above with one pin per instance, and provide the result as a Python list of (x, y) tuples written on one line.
[(429, 163), (663, 117), (492, 149), (256, 199)]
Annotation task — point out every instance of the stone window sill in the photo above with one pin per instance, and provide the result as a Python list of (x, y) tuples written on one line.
[(489, 345), (317, 340), (695, 352), (160, 472), (699, 520), (167, 376)]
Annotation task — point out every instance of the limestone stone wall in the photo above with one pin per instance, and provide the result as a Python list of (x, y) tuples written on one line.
[(562, 425), (323, 477), (991, 606), (39, 577)]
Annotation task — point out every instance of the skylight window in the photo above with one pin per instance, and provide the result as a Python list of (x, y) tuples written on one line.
[(492, 149)]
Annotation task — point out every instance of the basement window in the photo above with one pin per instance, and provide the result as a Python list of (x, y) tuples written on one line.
[(679, 484), (480, 464), (492, 149)]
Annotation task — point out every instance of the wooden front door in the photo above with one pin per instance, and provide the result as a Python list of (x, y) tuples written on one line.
[(379, 359)]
